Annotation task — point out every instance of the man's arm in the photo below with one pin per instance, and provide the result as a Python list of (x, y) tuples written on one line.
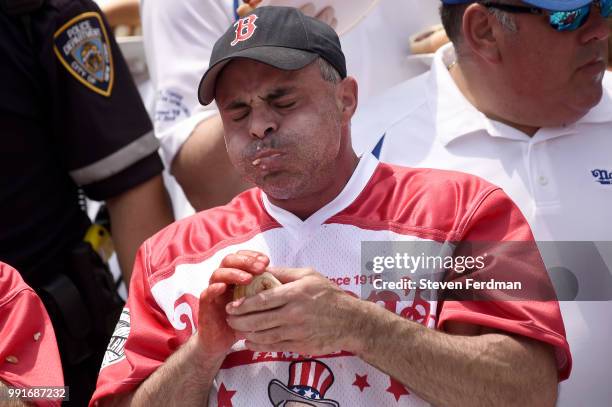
[(185, 379), (122, 12), (467, 366), (203, 169), (137, 214)]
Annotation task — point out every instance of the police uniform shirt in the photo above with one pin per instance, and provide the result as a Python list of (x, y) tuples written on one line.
[(70, 115)]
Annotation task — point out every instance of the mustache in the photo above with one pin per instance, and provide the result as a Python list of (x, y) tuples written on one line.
[(271, 142)]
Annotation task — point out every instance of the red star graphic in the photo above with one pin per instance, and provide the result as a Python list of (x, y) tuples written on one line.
[(397, 389), (224, 397), (361, 382)]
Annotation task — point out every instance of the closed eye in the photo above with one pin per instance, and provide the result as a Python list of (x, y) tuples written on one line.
[(240, 115), (285, 105)]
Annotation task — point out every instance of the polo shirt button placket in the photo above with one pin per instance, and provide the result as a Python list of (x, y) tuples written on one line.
[(545, 188)]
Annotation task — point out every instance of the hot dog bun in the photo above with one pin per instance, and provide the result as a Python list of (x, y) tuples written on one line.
[(262, 282)]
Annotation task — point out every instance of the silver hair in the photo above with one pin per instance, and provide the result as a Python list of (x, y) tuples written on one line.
[(505, 19), (328, 72)]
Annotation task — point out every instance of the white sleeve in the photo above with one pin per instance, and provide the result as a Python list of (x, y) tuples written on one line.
[(179, 37)]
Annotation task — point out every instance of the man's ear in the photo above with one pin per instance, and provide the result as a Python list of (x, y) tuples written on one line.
[(347, 97), (480, 31)]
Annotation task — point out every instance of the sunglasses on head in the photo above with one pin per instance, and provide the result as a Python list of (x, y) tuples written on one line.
[(559, 20)]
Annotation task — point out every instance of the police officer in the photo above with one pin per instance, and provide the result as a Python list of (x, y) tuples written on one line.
[(70, 118)]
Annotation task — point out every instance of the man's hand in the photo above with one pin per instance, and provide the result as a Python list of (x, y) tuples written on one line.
[(187, 376), (214, 335), (308, 314), (327, 15)]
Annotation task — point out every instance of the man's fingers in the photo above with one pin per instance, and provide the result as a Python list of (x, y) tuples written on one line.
[(252, 262), (230, 276), (308, 9), (271, 336), (334, 23), (253, 253), (265, 300), (212, 292), (287, 275), (327, 15), (258, 321)]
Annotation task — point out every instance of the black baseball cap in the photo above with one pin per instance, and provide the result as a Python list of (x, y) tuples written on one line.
[(282, 37)]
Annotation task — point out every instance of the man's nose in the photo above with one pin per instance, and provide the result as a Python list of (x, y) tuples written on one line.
[(263, 123), (596, 28)]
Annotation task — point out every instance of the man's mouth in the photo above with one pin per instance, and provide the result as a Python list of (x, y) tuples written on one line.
[(267, 158), (595, 64)]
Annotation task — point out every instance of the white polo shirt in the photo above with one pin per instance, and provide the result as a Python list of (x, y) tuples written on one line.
[(558, 178), (179, 37)]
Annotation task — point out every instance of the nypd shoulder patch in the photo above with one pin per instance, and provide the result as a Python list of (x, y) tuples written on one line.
[(83, 48)]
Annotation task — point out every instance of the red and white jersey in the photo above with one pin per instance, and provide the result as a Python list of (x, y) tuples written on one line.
[(28, 350), (379, 203)]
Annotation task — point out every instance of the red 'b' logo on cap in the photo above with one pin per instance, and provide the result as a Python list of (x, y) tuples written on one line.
[(245, 27)]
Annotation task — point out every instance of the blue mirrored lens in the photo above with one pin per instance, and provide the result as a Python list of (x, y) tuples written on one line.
[(569, 20), (606, 8)]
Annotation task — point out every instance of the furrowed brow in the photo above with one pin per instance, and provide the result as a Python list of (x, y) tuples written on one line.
[(270, 97), (278, 93), (235, 105)]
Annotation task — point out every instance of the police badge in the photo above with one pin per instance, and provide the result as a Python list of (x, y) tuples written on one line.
[(83, 48)]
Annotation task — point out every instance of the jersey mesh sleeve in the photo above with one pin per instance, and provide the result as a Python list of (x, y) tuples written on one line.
[(142, 341), (497, 229), (28, 349), (103, 133)]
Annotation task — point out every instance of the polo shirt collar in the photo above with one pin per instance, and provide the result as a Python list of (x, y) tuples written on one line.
[(455, 116)]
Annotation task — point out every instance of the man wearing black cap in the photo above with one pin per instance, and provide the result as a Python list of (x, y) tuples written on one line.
[(280, 81)]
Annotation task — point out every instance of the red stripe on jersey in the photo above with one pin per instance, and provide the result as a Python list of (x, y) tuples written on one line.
[(247, 357), (194, 239), (417, 202)]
